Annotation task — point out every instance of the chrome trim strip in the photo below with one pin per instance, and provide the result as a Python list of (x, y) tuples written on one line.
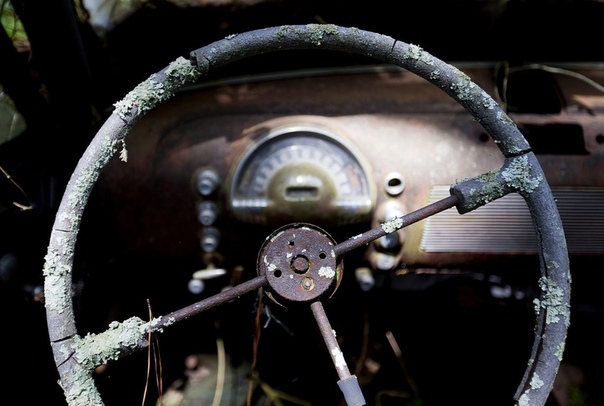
[(505, 225)]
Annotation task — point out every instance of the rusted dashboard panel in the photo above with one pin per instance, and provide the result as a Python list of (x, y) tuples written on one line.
[(408, 139)]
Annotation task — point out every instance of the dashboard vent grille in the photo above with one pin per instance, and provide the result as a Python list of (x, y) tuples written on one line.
[(505, 225)]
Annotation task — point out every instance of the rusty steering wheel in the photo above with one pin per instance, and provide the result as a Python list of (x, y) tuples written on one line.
[(316, 273)]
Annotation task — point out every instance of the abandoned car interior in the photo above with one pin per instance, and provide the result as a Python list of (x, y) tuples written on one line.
[(279, 202)]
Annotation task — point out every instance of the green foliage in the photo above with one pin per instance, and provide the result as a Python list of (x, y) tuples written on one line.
[(13, 25)]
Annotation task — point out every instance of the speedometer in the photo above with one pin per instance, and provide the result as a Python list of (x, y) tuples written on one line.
[(301, 173)]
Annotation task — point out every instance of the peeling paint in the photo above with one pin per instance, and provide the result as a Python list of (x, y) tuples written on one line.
[(124, 152), (274, 237), (537, 306), (560, 350), (327, 272), (270, 267), (524, 400), (536, 382), (338, 358), (155, 321)]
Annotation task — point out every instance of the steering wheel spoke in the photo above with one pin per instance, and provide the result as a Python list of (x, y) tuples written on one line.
[(395, 224), (201, 306), (348, 382), (520, 174)]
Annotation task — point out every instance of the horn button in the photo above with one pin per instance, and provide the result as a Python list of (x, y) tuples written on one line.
[(300, 264)]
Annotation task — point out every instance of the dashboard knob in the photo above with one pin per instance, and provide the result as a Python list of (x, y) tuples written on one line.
[(207, 182), (210, 238), (207, 212)]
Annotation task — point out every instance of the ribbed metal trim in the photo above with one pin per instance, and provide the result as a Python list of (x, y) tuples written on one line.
[(505, 225)]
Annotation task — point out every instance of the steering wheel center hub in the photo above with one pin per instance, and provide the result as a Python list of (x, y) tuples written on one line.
[(299, 263)]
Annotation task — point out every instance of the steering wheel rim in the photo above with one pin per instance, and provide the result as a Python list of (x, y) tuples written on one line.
[(76, 357)]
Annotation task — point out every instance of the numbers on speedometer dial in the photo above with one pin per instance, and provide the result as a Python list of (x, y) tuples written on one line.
[(301, 173)]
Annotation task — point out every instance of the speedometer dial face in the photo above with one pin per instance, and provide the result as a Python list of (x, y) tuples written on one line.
[(301, 173)]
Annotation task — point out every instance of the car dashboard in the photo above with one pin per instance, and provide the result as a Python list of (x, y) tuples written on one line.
[(350, 148)]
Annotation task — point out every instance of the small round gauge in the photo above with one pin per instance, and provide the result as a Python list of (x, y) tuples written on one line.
[(301, 173)]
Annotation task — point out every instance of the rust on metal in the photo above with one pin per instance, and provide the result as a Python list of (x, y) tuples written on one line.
[(299, 264), (208, 303), (330, 340)]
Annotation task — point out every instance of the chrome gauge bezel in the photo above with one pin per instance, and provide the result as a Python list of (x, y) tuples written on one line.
[(256, 212)]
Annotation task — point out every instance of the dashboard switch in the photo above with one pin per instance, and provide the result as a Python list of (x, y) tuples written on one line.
[(210, 238), (207, 212), (207, 182)]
